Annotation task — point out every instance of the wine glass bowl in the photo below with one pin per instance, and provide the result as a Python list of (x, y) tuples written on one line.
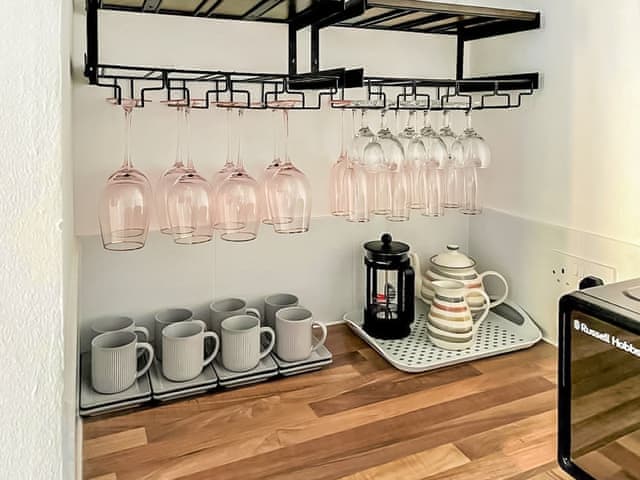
[(190, 210)]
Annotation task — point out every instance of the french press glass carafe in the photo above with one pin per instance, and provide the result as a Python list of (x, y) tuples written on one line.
[(390, 289)]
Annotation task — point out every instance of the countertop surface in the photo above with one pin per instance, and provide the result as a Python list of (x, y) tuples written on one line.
[(358, 419)]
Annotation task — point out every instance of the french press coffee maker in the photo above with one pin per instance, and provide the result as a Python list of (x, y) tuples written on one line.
[(389, 309)]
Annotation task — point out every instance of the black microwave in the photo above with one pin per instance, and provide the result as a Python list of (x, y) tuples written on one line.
[(599, 382)]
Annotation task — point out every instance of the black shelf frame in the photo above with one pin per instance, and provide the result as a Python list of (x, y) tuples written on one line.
[(258, 90)]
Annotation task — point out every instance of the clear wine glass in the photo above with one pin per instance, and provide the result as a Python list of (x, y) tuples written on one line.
[(289, 190), (379, 181), (416, 157), (170, 175), (338, 196), (395, 170), (437, 158), (228, 166), (272, 168), (190, 201), (471, 152), (126, 199), (237, 200), (451, 172), (356, 186)]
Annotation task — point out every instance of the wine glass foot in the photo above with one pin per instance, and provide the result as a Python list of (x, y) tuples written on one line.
[(192, 239), (123, 246), (465, 211), (238, 236)]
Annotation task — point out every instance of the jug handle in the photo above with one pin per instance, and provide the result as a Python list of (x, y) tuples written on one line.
[(504, 282), (487, 306), (415, 263)]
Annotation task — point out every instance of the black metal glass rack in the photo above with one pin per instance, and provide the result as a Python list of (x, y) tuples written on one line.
[(260, 90)]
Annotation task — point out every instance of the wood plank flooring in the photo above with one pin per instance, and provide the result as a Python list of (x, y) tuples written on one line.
[(359, 419)]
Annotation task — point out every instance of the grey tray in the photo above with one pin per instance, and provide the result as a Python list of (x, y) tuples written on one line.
[(92, 402), (266, 369), (304, 368), (187, 392), (162, 386), (508, 328), (319, 358)]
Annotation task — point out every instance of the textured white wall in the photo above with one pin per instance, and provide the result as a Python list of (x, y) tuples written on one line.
[(31, 242), (570, 157)]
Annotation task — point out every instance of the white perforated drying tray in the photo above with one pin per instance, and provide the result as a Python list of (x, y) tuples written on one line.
[(508, 328)]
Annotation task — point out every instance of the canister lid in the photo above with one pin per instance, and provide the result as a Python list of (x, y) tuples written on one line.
[(386, 247)]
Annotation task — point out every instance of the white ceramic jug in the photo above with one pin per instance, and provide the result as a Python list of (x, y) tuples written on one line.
[(454, 265), (450, 324)]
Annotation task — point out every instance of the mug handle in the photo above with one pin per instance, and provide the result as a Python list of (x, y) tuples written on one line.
[(504, 282), (320, 342), (145, 346), (272, 342), (254, 311), (208, 360), (143, 331), (486, 307)]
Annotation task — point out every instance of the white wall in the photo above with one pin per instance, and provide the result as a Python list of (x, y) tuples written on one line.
[(565, 169), (33, 75), (324, 266)]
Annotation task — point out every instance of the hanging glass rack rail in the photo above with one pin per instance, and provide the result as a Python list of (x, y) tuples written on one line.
[(264, 90)]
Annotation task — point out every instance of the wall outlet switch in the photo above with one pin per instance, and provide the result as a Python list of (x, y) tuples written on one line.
[(567, 270)]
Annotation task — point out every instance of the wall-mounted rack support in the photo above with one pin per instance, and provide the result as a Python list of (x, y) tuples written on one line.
[(256, 90)]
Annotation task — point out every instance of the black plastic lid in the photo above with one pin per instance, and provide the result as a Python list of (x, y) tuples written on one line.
[(386, 247)]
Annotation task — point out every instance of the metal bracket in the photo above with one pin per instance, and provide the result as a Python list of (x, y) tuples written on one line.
[(91, 57)]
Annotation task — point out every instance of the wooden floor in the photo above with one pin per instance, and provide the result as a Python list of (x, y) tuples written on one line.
[(360, 419)]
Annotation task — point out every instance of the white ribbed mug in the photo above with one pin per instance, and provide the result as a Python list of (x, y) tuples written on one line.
[(119, 323), (183, 350), (294, 333), (114, 361), (229, 307), (241, 342), (164, 318), (275, 302)]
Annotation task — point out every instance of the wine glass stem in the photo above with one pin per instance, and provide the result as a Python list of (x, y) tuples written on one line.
[(239, 162), (342, 153), (276, 135), (285, 132), (127, 138), (228, 136), (468, 116), (179, 136), (446, 121), (187, 143)]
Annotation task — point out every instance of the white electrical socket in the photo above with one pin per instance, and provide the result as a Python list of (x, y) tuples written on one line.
[(567, 270)]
